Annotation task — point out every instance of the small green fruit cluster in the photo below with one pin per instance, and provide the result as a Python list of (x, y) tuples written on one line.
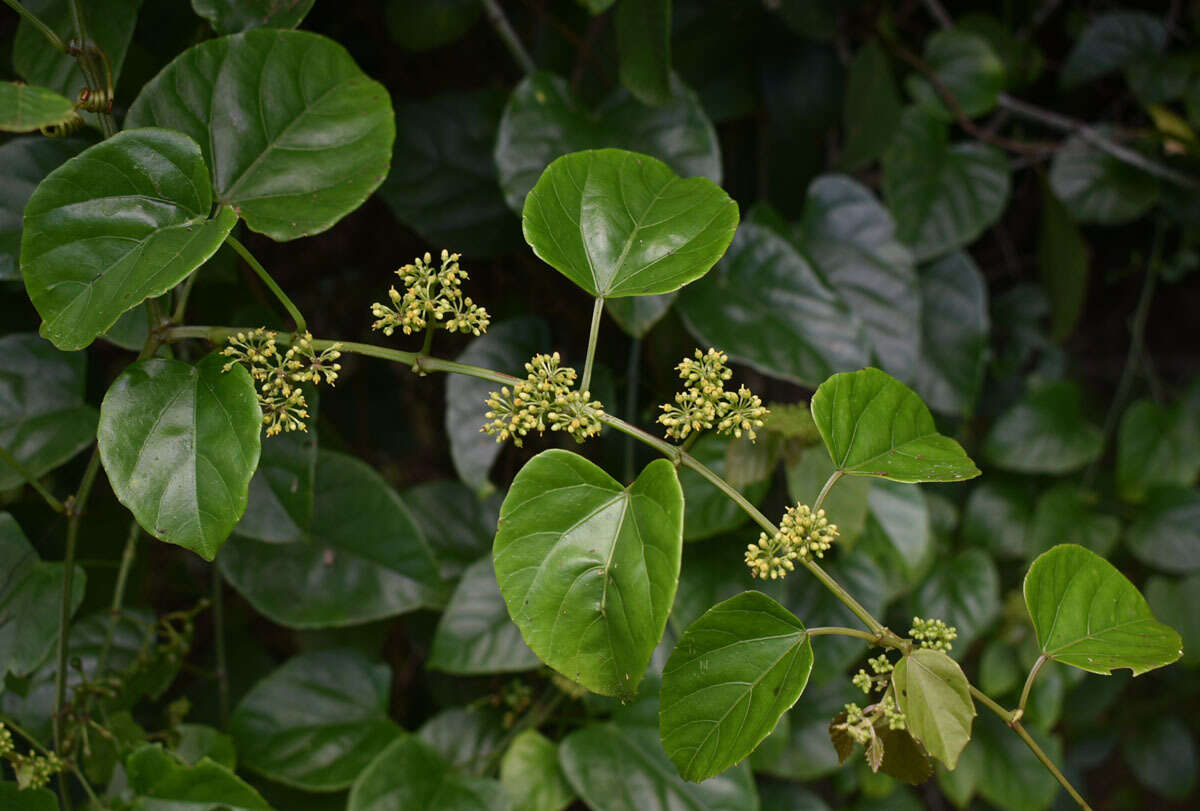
[(545, 398)]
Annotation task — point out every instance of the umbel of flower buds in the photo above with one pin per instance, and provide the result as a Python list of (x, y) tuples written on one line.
[(705, 403), (802, 534), (432, 298), (546, 397), (277, 376), (932, 633)]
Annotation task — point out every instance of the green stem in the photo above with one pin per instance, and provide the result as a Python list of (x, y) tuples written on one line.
[(982, 698), (37, 23), (118, 598), (24, 472), (505, 31), (829, 483), (1033, 674), (1049, 764), (276, 290), (95, 82), (181, 300), (832, 630), (593, 336), (631, 399), (218, 608)]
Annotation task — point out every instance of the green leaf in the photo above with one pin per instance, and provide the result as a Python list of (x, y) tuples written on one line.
[(963, 590), (316, 722), (1162, 756), (457, 524), (1167, 533), (999, 516), (475, 634), (874, 425), (1177, 602), (1095, 187), (467, 738), (851, 239), (706, 510), (197, 741), (1023, 61), (28, 108), (588, 568), (846, 504), (279, 506), (1156, 446), (506, 347), (321, 139), (1009, 774), (644, 49), (955, 328), (235, 16), (1111, 42), (361, 558), (603, 762), (967, 66), (935, 698), (23, 164), (544, 120), (1063, 260), (1046, 431), (1067, 514), (734, 672), (530, 773), (871, 107), (423, 25), (898, 534), (1088, 615), (161, 782), (637, 314), (44, 421), (943, 196), (623, 224), (409, 774), (16, 799), (30, 598), (765, 306), (443, 183), (124, 221), (179, 444)]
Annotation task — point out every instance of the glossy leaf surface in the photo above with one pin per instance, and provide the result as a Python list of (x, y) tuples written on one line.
[(475, 634), (589, 568), (410, 775), (935, 698), (1166, 534), (955, 327)]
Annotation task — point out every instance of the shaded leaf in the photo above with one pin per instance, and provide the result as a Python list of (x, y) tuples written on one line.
[(964, 591), (903, 758), (197, 741), (955, 329), (23, 164), (1068, 514), (1177, 602), (637, 314), (457, 524), (161, 782), (644, 49), (1063, 259), (706, 510), (1046, 431), (235, 16), (846, 504), (1110, 42), (999, 516), (408, 774), (1009, 774), (468, 739), (1166, 534), (28, 108), (423, 25), (967, 66), (530, 773), (871, 107), (1096, 187), (935, 698), (475, 634), (1156, 446), (1162, 756), (15, 799)]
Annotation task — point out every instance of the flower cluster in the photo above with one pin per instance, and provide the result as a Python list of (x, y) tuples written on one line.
[(802, 534), (881, 678), (432, 298), (34, 771), (859, 724), (933, 633), (279, 375), (705, 403), (545, 398)]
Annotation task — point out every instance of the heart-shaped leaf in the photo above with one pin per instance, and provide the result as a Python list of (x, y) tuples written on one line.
[(954, 334), (766, 306), (620, 223), (296, 135), (1097, 187), (409, 774), (1046, 431), (43, 419), (179, 444), (874, 425), (967, 66), (23, 164), (544, 120), (316, 722), (943, 196), (529, 771), (935, 698), (637, 314), (1088, 615), (589, 568), (124, 221), (235, 16), (28, 108), (475, 634), (734, 672), (162, 782)]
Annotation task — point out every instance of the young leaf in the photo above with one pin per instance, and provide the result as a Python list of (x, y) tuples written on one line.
[(124, 221), (954, 334), (44, 421), (235, 16), (644, 49), (28, 108), (1167, 533), (619, 223), (529, 771), (179, 444), (316, 722), (408, 774), (935, 697), (1088, 615), (23, 164), (1095, 187), (589, 568), (162, 782), (734, 672), (1046, 431), (874, 425), (313, 133)]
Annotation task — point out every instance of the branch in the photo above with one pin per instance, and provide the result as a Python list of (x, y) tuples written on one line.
[(276, 290), (37, 23), (504, 29)]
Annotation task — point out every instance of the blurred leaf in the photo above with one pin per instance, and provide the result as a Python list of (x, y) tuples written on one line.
[(1046, 431), (443, 183), (1111, 42), (966, 65), (408, 774), (475, 634), (235, 16), (544, 120), (806, 753), (1095, 187), (779, 795), (1161, 79), (708, 577), (644, 49), (1009, 774), (30, 598), (1088, 615), (706, 510), (1068, 514), (567, 531), (456, 523), (324, 132), (16, 799), (934, 696), (675, 228), (1023, 62), (846, 504), (1063, 259), (197, 741), (765, 306), (816, 19), (1162, 756), (1177, 602), (362, 558), (1166, 534), (637, 314), (871, 107), (467, 738), (963, 590), (317, 721), (898, 532), (423, 25), (1157, 446), (126, 220), (999, 671), (110, 25), (721, 698), (44, 421), (179, 444), (23, 164), (28, 108), (955, 328), (530, 773), (279, 506), (163, 783), (943, 196), (999, 516)]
